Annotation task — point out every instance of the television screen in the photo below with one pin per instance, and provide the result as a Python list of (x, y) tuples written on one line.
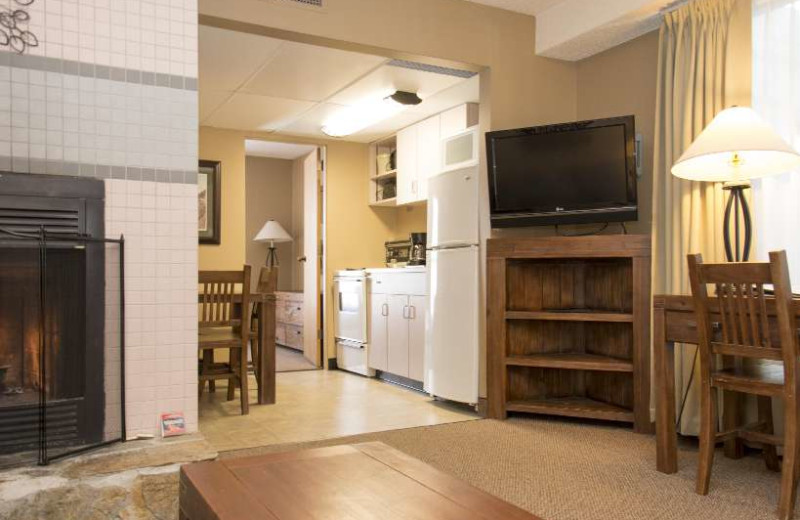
[(570, 173)]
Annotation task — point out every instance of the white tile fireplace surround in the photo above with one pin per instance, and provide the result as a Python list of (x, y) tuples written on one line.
[(111, 92)]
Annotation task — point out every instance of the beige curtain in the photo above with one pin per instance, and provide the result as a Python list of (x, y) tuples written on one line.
[(687, 216)]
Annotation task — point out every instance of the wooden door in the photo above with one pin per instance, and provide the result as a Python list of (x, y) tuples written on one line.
[(377, 335), (416, 337), (312, 265), (397, 358), (407, 165)]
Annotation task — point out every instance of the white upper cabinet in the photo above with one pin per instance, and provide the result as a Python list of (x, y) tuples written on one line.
[(458, 119), (407, 165), (429, 145), (419, 150)]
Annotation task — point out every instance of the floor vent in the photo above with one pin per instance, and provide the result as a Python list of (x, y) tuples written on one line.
[(447, 71)]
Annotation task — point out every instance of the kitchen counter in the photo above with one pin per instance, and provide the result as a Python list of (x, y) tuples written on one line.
[(409, 269)]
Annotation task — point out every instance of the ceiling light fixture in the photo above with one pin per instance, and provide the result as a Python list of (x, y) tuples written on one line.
[(357, 117)]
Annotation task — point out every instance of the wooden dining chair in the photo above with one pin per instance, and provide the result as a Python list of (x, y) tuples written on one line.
[(755, 361), (224, 324)]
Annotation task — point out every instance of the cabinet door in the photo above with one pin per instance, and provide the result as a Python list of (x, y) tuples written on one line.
[(428, 155), (407, 165), (416, 337), (458, 119), (398, 335), (377, 338)]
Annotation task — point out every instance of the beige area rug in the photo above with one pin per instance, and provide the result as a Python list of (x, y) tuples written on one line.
[(290, 360), (568, 471)]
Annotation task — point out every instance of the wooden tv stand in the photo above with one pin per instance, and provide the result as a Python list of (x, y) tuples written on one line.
[(568, 327)]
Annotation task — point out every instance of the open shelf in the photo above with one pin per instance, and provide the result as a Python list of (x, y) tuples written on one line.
[(385, 202), (572, 361), (385, 175), (572, 407), (572, 315), (568, 327)]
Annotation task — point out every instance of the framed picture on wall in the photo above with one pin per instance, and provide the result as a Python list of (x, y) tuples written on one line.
[(209, 207)]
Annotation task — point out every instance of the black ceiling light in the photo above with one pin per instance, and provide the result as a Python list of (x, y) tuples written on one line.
[(406, 98)]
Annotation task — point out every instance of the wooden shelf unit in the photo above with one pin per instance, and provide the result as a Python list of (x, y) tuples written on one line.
[(569, 327)]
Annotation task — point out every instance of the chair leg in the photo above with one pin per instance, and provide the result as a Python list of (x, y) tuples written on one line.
[(232, 359), (708, 432), (765, 416), (243, 390), (789, 473), (254, 357)]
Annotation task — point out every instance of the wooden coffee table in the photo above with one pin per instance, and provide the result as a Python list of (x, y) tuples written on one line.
[(355, 482)]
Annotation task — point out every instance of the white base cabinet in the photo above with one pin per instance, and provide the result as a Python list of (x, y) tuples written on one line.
[(397, 322)]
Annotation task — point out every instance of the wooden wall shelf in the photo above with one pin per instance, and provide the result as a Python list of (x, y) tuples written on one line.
[(569, 327)]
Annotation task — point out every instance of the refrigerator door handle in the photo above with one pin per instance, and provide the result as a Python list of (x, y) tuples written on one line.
[(384, 309), (412, 312), (405, 312)]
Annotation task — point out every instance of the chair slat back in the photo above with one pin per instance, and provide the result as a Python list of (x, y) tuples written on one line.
[(741, 299), (220, 291)]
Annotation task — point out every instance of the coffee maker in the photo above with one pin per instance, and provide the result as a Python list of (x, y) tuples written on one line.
[(418, 243)]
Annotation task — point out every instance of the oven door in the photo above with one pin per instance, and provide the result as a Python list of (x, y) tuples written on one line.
[(350, 301)]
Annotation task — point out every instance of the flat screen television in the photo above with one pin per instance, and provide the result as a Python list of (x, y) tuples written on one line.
[(570, 173)]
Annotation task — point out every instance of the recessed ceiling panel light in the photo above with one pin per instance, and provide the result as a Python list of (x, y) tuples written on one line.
[(357, 117)]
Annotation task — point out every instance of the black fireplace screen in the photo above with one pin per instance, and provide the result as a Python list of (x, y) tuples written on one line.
[(62, 341)]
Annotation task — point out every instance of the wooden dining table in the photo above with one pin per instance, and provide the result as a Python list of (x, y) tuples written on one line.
[(264, 365), (674, 323)]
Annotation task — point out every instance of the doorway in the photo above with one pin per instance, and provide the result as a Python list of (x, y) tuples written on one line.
[(284, 214)]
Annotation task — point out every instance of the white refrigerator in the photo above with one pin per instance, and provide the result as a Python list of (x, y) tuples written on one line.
[(453, 258)]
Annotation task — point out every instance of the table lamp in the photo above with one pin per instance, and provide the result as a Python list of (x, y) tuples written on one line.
[(736, 147), (272, 232)]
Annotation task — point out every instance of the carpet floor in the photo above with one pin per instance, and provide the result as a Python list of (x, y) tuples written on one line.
[(563, 470), (290, 360)]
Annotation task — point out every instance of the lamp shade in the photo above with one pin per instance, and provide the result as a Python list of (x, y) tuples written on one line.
[(272, 231), (738, 145)]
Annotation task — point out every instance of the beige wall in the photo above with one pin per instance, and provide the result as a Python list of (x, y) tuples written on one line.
[(228, 148), (269, 195)]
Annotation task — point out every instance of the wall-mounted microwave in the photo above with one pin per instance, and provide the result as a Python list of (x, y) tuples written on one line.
[(460, 150)]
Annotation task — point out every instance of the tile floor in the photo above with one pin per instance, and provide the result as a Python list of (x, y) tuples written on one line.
[(320, 404)]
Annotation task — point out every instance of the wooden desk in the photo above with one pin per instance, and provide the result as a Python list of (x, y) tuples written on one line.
[(674, 322), (265, 371), (358, 482)]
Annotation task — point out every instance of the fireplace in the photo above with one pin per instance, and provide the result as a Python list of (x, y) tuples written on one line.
[(52, 314)]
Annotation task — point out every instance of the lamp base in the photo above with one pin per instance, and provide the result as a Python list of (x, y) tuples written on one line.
[(272, 257), (737, 211)]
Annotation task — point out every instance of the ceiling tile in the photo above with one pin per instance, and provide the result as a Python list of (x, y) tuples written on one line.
[(228, 58), (311, 122), (387, 79), (251, 112), (310, 72), (210, 100)]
